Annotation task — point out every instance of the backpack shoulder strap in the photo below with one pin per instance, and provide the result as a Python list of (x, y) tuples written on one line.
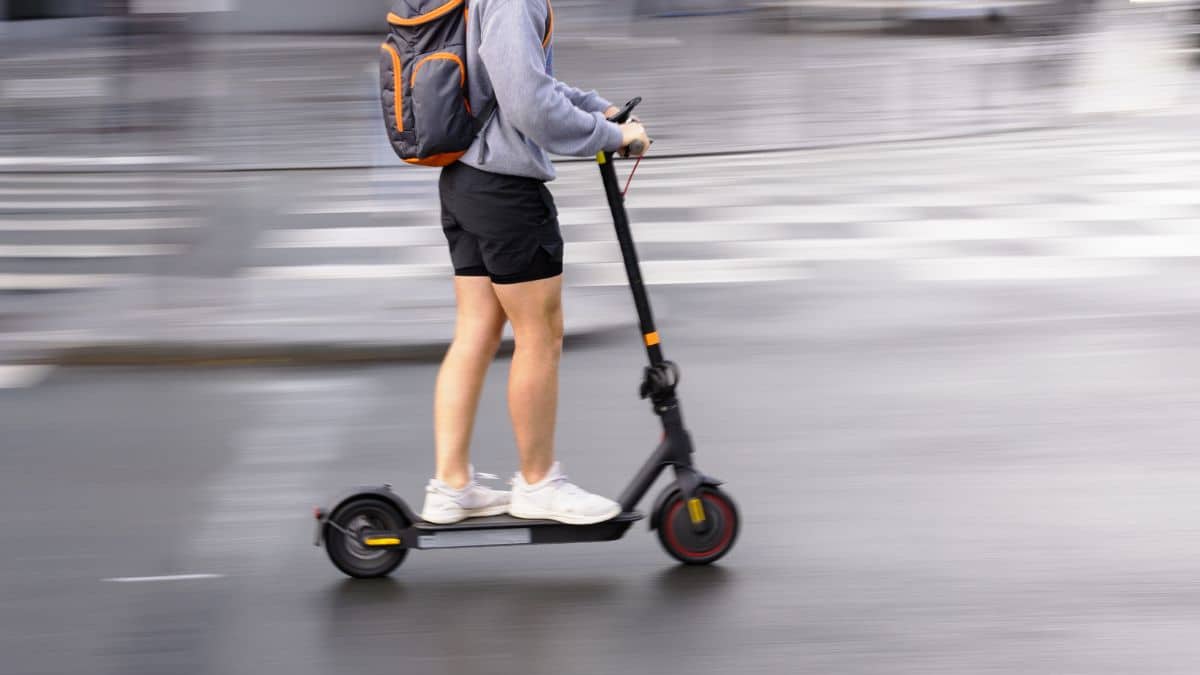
[(485, 114)]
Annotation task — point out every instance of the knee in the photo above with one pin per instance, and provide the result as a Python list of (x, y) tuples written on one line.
[(480, 340), (545, 333)]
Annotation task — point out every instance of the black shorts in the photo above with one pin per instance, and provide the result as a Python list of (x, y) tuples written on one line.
[(498, 226)]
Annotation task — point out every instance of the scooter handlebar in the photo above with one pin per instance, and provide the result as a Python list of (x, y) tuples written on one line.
[(636, 148), (622, 115)]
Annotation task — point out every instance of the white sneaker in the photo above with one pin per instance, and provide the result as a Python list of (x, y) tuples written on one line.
[(445, 505), (556, 499)]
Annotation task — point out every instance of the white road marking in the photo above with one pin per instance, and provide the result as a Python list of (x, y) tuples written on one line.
[(782, 251), (303, 78), (1178, 226), (166, 577), (671, 272), (968, 229), (67, 191), (56, 161), (20, 376), (372, 206), (873, 248), (1119, 211), (358, 237), (64, 205), (1177, 197), (283, 44), (747, 216), (98, 225), (699, 232), (125, 178), (87, 251), (366, 271), (76, 56), (752, 236), (376, 191), (1103, 316), (1158, 157), (400, 175), (401, 253), (292, 386), (1140, 177), (1018, 268), (578, 252), (1154, 246), (584, 215), (622, 41), (810, 213), (59, 282), (54, 87), (958, 197)]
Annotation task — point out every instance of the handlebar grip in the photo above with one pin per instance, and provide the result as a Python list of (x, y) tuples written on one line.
[(637, 149)]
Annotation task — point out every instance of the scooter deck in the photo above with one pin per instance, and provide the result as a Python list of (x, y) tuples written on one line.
[(510, 521), (509, 531)]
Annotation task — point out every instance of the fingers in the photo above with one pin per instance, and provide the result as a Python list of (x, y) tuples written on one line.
[(635, 140)]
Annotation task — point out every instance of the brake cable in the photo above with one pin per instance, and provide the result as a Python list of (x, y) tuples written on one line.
[(631, 172)]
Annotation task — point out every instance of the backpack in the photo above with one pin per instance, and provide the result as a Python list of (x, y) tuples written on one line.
[(423, 81)]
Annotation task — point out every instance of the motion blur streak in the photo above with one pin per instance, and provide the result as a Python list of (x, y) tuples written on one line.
[(929, 268)]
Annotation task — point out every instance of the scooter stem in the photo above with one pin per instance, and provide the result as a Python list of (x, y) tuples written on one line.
[(633, 271)]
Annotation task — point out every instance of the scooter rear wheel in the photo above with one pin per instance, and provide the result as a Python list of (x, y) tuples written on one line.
[(348, 554), (689, 546)]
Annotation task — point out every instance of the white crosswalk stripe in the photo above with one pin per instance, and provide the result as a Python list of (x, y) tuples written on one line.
[(48, 204), (85, 251), (60, 282), (61, 162), (98, 191), (67, 234), (93, 224), (80, 231), (373, 271), (1053, 204)]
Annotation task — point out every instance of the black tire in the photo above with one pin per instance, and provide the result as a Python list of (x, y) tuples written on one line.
[(683, 543), (353, 558)]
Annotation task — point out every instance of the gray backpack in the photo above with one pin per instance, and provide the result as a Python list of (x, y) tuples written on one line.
[(423, 82)]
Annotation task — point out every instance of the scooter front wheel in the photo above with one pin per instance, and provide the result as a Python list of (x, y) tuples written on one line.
[(345, 550), (698, 543)]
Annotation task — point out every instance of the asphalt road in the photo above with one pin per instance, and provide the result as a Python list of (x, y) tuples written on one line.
[(971, 478)]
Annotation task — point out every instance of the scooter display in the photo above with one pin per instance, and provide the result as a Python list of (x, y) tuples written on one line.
[(369, 530)]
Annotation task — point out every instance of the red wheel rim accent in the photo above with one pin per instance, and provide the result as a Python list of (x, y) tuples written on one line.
[(726, 512)]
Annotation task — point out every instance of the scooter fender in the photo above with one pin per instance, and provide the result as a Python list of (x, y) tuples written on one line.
[(383, 492), (669, 491)]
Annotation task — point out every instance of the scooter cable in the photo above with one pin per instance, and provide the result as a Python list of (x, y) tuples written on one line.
[(631, 172)]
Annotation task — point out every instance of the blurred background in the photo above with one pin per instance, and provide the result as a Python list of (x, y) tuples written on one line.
[(930, 268)]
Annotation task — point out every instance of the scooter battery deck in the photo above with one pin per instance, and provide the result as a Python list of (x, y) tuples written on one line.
[(509, 531)]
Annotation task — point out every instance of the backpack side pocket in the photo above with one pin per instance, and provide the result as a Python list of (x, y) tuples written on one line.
[(441, 112), (397, 119)]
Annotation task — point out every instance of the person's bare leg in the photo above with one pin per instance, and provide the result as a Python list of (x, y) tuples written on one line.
[(535, 310), (477, 330)]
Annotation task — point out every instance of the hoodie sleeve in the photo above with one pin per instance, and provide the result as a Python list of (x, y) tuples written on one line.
[(530, 99), (589, 101)]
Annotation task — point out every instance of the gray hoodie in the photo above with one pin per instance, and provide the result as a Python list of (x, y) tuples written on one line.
[(509, 59)]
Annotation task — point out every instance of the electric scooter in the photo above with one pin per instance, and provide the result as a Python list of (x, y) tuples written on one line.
[(370, 530)]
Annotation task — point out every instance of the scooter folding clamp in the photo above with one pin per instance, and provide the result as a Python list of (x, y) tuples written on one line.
[(659, 382)]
